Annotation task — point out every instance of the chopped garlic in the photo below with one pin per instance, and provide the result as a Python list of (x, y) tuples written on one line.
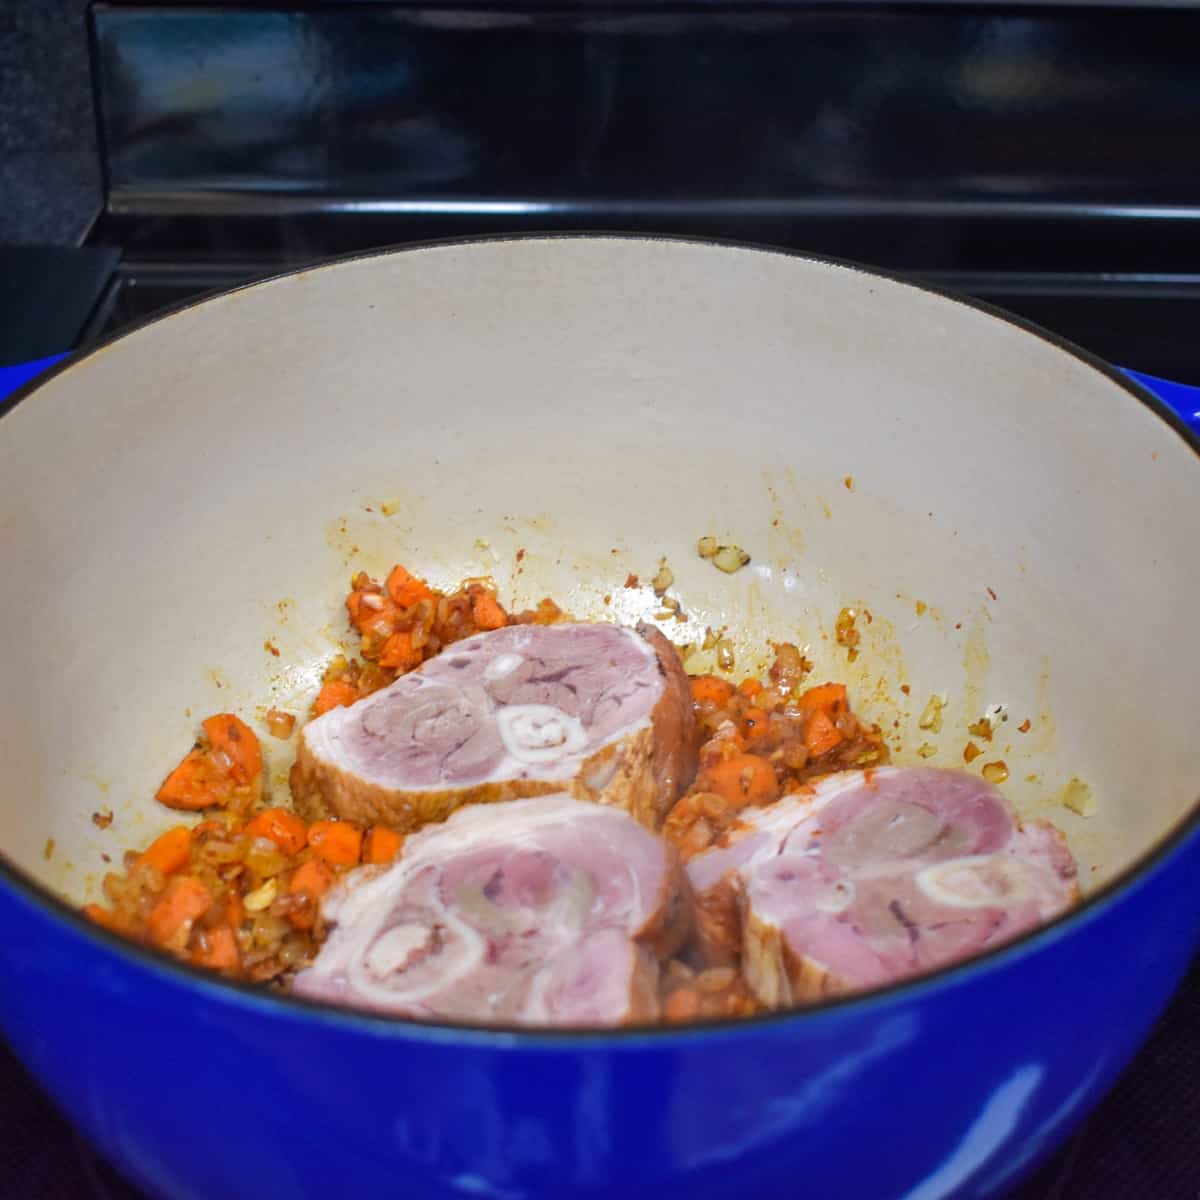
[(931, 716), (1077, 796), (995, 772), (730, 559), (663, 579), (725, 658), (926, 750), (706, 547), (389, 507), (262, 897)]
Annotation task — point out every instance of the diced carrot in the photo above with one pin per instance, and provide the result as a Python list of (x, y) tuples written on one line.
[(742, 779), (334, 694), (750, 687), (234, 738), (683, 1004), (381, 844), (405, 588), (829, 698), (99, 915), (755, 724), (170, 920), (235, 910), (284, 828), (222, 953), (708, 689), (820, 733), (339, 843), (312, 880), (487, 612), (399, 652), (169, 851), (195, 784)]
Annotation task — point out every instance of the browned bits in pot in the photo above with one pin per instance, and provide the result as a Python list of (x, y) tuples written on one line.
[(847, 633), (931, 715), (725, 656), (102, 819)]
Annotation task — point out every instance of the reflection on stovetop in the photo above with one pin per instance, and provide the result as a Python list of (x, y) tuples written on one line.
[(1139, 1143)]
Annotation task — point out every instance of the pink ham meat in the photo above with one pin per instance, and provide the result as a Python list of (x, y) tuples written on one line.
[(874, 877), (598, 710), (542, 912)]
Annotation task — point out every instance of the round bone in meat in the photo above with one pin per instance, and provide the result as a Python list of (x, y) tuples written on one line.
[(598, 710), (875, 876), (540, 911)]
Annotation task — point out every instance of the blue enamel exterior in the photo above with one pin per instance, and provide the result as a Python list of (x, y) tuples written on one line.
[(951, 1087)]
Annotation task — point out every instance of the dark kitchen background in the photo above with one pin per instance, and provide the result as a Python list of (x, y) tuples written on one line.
[(1046, 159)]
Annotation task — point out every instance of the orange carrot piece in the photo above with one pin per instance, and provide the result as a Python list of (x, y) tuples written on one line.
[(284, 828), (169, 851), (104, 917), (755, 724), (708, 689), (334, 694), (312, 880), (235, 739), (750, 687), (487, 612), (170, 920), (405, 588), (194, 784), (742, 779), (339, 843), (381, 844), (235, 910), (399, 653), (358, 611), (222, 953), (820, 733), (829, 698)]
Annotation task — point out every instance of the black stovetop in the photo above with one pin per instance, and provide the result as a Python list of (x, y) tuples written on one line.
[(1042, 157)]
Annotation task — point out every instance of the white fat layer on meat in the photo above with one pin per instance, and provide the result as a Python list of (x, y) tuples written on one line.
[(537, 733), (393, 949), (459, 956), (502, 666), (977, 881)]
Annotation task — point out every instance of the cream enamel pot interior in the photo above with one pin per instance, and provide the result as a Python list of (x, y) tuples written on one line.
[(177, 506)]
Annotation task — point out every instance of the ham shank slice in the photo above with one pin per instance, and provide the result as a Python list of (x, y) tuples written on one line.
[(873, 877), (542, 911), (601, 711)]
